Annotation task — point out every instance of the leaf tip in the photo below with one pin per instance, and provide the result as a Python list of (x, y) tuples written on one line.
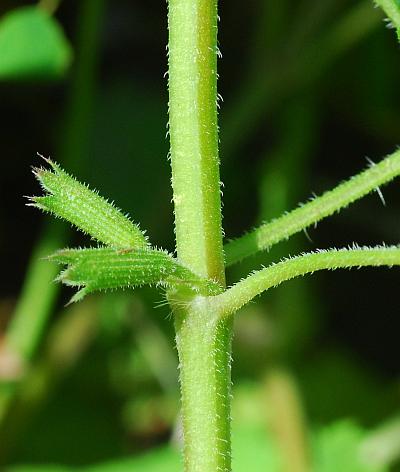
[(46, 159), (78, 296)]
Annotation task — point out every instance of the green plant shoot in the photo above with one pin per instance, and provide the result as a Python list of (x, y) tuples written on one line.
[(195, 279)]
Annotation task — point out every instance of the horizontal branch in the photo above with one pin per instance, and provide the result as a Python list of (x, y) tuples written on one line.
[(313, 211), (237, 296)]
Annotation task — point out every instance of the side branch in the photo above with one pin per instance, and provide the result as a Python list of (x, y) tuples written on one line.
[(268, 234), (244, 291)]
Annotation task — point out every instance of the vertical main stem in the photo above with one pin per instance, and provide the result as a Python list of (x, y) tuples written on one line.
[(204, 346), (194, 135), (203, 340)]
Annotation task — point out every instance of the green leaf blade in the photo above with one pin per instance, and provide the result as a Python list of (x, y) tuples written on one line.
[(97, 269), (33, 45), (337, 447), (76, 203)]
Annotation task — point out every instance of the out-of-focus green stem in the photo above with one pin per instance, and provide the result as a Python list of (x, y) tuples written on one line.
[(262, 93), (287, 421), (25, 329), (33, 308), (68, 339), (39, 293), (284, 175), (270, 25), (284, 170), (154, 346), (79, 113)]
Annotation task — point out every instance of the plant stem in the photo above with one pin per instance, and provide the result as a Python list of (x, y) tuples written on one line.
[(25, 331), (261, 94), (31, 314), (203, 340), (68, 338), (279, 229), (287, 421), (241, 293), (194, 135), (204, 346)]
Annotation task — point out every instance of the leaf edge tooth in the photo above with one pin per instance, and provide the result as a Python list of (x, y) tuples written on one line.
[(79, 295)]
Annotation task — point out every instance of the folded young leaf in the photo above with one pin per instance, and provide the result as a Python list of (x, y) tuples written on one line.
[(84, 208), (105, 268)]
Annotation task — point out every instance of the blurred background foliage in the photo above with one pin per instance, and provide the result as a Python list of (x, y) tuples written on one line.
[(310, 89)]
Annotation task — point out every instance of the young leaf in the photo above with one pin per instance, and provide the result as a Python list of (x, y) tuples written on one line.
[(105, 268), (32, 44), (69, 199)]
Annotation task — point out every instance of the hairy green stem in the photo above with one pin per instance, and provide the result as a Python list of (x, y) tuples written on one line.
[(204, 346), (194, 135), (315, 210), (241, 293), (203, 341)]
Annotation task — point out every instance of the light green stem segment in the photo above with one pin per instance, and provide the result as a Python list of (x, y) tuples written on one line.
[(30, 317), (204, 346), (268, 234), (25, 330), (392, 10), (203, 341), (194, 135), (237, 296)]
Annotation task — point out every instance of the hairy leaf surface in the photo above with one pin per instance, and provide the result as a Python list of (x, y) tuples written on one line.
[(77, 203), (105, 268)]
